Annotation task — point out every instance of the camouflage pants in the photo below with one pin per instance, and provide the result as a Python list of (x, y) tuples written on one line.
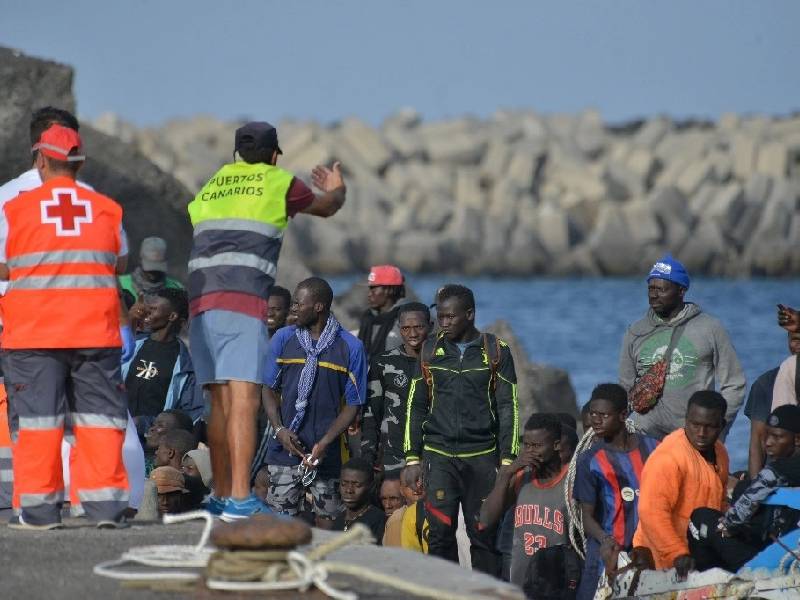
[(286, 490)]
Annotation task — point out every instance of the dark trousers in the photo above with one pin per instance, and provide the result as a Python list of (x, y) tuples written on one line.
[(709, 549), (593, 568), (44, 386), (450, 482)]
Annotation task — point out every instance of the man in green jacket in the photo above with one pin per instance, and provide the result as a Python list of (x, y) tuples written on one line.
[(151, 274), (462, 422)]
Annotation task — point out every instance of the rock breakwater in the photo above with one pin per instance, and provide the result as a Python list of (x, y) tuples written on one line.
[(522, 193)]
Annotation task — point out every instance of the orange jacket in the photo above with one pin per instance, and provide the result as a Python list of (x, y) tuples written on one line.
[(61, 250), (676, 479)]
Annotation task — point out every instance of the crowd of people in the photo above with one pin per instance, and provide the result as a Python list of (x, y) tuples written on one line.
[(239, 396)]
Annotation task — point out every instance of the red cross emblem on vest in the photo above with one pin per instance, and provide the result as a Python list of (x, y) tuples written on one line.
[(66, 211)]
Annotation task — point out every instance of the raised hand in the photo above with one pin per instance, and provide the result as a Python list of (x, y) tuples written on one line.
[(525, 459), (327, 180), (788, 318)]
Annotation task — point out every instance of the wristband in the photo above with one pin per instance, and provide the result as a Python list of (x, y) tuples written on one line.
[(275, 435), (412, 462), (506, 461)]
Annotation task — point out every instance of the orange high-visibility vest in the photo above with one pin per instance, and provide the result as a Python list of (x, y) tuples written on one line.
[(61, 250)]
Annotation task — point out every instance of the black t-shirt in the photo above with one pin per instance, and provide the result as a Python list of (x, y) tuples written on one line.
[(373, 517), (759, 401), (149, 377)]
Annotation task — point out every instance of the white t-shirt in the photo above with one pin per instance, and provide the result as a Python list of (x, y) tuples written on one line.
[(26, 182)]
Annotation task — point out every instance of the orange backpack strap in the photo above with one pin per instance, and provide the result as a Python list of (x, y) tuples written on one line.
[(491, 345), (425, 356)]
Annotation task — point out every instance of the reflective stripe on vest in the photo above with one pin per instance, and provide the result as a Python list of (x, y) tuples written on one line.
[(239, 217), (34, 259), (264, 229), (62, 247), (64, 282), (234, 259)]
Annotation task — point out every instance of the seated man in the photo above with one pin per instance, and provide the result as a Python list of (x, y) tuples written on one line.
[(160, 375), (173, 446), (414, 528), (355, 485), (759, 405), (151, 274), (173, 494), (391, 496), (688, 470), (197, 464), (410, 491), (732, 539), (164, 422)]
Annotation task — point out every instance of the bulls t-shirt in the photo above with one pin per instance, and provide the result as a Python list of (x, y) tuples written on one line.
[(540, 519), (149, 376), (609, 478)]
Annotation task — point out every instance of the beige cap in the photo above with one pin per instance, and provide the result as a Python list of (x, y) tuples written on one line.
[(168, 479)]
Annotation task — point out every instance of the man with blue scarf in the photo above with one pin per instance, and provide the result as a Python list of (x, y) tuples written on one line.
[(316, 379)]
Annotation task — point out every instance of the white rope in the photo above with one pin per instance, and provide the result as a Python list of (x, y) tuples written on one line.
[(306, 571), (577, 538), (172, 556)]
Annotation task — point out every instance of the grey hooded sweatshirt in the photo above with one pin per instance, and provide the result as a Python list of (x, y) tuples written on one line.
[(703, 358)]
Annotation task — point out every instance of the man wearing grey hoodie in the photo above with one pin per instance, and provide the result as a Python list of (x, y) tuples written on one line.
[(703, 356)]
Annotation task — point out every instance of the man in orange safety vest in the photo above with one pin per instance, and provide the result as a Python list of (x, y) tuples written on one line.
[(60, 250)]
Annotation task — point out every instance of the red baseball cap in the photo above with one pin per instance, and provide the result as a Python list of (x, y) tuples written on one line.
[(58, 141), (385, 275)]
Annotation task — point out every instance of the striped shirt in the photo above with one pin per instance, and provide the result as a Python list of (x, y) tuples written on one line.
[(608, 478)]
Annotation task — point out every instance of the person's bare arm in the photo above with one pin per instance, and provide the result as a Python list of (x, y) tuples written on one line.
[(4, 274), (502, 496), (285, 436), (590, 524), (504, 492), (336, 429), (757, 457), (331, 184)]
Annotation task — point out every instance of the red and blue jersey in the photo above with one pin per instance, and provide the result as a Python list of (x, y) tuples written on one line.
[(609, 479)]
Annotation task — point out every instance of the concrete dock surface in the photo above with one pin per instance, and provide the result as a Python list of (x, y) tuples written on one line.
[(58, 564)]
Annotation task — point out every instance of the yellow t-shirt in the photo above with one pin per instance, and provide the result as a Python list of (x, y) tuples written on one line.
[(408, 535), (394, 525)]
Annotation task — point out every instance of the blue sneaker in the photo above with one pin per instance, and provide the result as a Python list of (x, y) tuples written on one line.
[(216, 505), (242, 509)]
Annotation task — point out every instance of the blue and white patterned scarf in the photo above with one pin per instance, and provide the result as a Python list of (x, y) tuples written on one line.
[(309, 372)]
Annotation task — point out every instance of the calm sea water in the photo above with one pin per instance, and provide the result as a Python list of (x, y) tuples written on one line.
[(578, 324)]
